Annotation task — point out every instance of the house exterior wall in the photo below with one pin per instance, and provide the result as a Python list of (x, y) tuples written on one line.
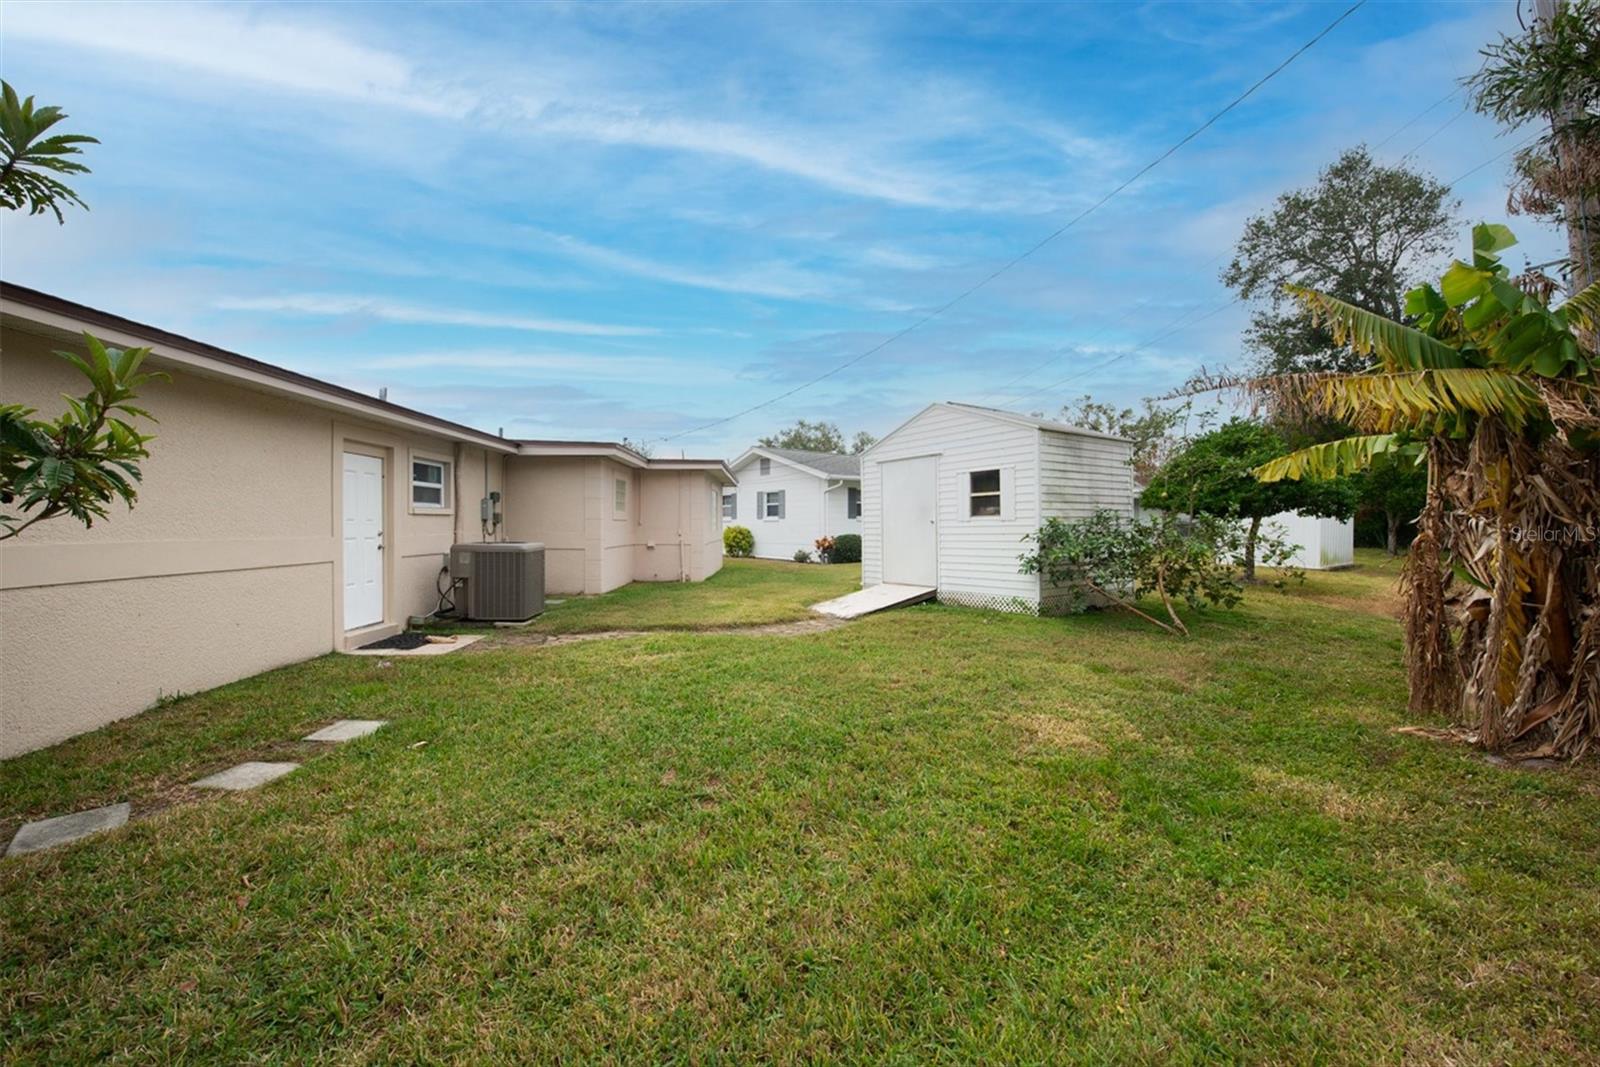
[(803, 520), (666, 531), (977, 555), (548, 500), (230, 564), (836, 508)]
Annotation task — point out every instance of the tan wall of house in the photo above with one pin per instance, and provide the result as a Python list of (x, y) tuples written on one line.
[(230, 563), (569, 503)]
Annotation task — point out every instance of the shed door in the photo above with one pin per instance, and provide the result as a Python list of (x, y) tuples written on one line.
[(910, 521), (363, 540)]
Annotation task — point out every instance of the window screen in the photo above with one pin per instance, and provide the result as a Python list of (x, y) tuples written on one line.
[(766, 465), (852, 507)]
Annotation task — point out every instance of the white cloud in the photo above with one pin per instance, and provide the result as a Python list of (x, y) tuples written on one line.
[(333, 304), (780, 280), (583, 365), (239, 44), (795, 154)]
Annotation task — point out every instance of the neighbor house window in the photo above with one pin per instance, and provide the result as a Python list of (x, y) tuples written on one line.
[(619, 501), (430, 483), (730, 506), (985, 492), (766, 465), (771, 506), (852, 504)]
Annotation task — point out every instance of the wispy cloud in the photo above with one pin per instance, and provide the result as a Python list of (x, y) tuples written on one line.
[(813, 159), (332, 304), (583, 365), (238, 44), (781, 280)]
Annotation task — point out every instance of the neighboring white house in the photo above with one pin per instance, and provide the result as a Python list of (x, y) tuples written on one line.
[(789, 498), (1324, 544), (949, 495)]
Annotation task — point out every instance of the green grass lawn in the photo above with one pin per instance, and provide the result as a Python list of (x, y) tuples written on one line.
[(746, 592), (934, 835)]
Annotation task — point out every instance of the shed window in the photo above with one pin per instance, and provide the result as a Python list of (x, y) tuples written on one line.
[(429, 483), (730, 506), (771, 505), (852, 504), (985, 492), (619, 501), (766, 465)]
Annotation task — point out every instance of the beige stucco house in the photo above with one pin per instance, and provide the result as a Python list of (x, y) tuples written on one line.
[(282, 517)]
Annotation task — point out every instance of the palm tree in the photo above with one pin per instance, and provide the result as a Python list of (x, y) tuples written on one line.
[(1497, 394)]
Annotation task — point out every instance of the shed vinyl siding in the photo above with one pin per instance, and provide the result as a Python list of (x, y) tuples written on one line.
[(1079, 476), (977, 554), (802, 519)]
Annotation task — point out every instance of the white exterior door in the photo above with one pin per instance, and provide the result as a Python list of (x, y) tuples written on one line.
[(910, 521), (363, 540)]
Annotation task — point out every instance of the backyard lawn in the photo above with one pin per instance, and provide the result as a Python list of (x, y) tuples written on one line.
[(936, 834)]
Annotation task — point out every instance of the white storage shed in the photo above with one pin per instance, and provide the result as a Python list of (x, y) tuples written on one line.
[(948, 496), (1323, 544)]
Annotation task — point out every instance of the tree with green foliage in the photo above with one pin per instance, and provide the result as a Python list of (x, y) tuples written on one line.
[(79, 462), (1117, 560), (1154, 430), (1395, 487), (1502, 583), (1551, 73), (808, 436), (1364, 233), (1214, 475), (30, 161)]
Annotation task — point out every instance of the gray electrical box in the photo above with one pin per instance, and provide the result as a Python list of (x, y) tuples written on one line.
[(502, 581)]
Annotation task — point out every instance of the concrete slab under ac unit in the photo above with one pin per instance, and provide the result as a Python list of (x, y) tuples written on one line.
[(48, 833), (874, 598)]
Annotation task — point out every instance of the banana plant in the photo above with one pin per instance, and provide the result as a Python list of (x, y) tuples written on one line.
[(1498, 394)]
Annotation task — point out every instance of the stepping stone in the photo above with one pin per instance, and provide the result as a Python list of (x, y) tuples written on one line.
[(347, 730), (245, 776), (48, 833)]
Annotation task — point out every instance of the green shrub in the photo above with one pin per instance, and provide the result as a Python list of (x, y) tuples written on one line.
[(738, 541), (846, 549), (802, 556)]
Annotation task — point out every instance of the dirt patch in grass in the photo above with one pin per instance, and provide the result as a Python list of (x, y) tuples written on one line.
[(1326, 797), (1087, 734)]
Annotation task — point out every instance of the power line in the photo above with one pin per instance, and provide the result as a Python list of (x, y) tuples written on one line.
[(1178, 325), (1068, 349), (1009, 264), (1416, 118)]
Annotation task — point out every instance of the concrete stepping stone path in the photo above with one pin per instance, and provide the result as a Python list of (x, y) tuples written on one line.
[(347, 730), (245, 776), (48, 833)]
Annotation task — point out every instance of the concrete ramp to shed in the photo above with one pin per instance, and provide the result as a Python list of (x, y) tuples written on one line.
[(873, 598)]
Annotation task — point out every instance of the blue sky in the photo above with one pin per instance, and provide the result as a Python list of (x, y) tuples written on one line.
[(606, 221)]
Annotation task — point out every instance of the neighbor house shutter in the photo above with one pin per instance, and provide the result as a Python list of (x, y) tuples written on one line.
[(1008, 494), (761, 505), (734, 510), (783, 502)]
